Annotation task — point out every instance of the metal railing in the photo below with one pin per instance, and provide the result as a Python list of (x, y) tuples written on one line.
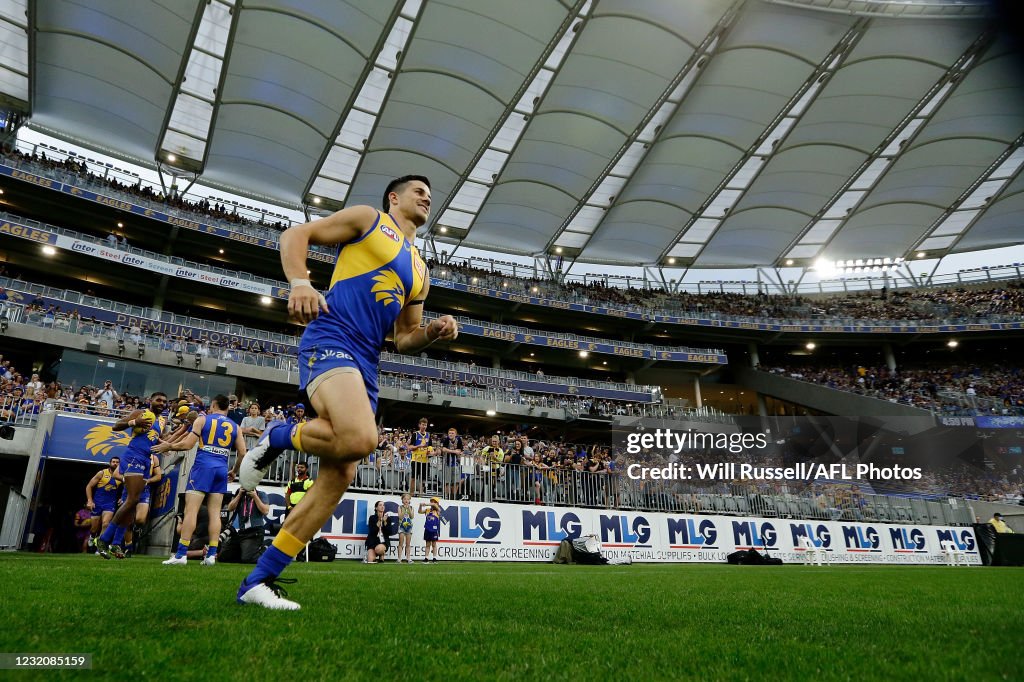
[(189, 354), (471, 478), (151, 316)]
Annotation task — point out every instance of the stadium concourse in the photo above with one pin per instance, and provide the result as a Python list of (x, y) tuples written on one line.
[(707, 280)]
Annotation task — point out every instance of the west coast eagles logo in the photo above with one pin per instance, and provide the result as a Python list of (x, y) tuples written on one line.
[(100, 440), (389, 288)]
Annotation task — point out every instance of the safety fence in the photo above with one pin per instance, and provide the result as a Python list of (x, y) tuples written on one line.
[(469, 479)]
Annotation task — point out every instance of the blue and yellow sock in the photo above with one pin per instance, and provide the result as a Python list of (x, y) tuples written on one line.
[(280, 437), (119, 534), (296, 436), (182, 548), (277, 558), (211, 549), (108, 533)]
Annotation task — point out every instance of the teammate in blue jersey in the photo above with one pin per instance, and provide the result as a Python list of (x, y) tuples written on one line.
[(101, 494), (217, 436), (378, 287), (136, 461)]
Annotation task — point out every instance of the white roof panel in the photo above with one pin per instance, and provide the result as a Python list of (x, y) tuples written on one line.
[(281, 97)]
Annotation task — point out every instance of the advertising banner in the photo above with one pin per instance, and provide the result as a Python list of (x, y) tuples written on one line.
[(482, 531)]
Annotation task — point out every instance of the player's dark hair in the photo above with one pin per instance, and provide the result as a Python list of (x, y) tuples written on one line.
[(220, 401), (398, 184)]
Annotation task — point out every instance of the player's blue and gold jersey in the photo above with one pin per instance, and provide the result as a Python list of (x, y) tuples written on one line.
[(107, 483), (107, 488), (140, 444), (216, 440), (374, 277)]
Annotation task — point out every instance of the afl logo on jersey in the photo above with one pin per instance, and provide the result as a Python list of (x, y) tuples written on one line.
[(391, 233)]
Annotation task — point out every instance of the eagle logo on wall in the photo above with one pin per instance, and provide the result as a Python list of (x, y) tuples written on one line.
[(101, 439)]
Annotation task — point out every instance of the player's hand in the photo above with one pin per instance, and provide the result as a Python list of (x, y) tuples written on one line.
[(90, 506), (231, 475), (305, 304), (444, 328), (160, 448)]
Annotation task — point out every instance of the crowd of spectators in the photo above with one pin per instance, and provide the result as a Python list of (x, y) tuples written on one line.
[(514, 466), (921, 304), (954, 390), (993, 478), (521, 467), (80, 171), (138, 337)]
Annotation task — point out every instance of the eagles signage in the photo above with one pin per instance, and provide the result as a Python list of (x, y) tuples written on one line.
[(84, 439), (492, 531)]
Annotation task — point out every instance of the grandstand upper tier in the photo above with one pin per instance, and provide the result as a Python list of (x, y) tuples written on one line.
[(647, 301), (779, 133)]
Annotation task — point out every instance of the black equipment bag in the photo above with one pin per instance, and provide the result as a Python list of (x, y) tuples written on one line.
[(751, 557), (322, 549)]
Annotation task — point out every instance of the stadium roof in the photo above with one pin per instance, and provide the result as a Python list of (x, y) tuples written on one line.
[(705, 133)]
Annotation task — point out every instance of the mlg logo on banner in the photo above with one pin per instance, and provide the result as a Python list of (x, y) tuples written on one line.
[(751, 535), (908, 541), (618, 531), (352, 516), (688, 534), (964, 539), (550, 527), (861, 539), (482, 530), (818, 535)]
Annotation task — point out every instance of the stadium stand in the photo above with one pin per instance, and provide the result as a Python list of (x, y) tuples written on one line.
[(945, 390), (980, 303)]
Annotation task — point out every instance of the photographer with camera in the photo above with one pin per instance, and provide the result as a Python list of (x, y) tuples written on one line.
[(106, 395), (249, 524)]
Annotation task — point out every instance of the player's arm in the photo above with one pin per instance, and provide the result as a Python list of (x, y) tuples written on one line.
[(305, 302), (93, 482), (239, 451), (130, 421), (176, 433), (187, 442), (411, 336), (158, 472)]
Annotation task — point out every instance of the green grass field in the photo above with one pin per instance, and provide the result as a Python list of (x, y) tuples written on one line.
[(511, 621)]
